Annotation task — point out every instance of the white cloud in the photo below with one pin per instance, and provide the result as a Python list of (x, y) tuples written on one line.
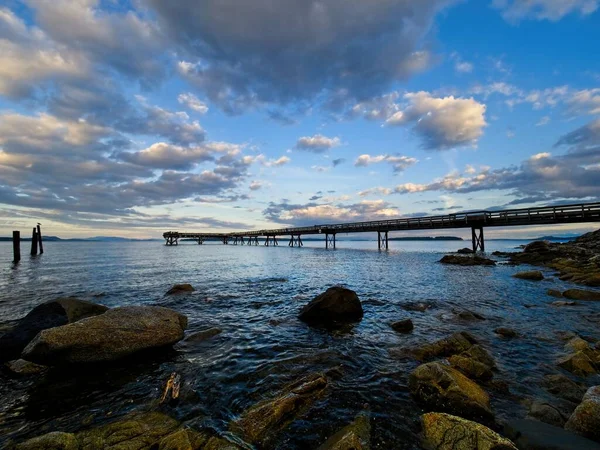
[(399, 163), (463, 67), (192, 102), (552, 10), (586, 101), (543, 121), (317, 143), (256, 185)]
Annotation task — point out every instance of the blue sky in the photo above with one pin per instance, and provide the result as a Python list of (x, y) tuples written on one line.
[(133, 118)]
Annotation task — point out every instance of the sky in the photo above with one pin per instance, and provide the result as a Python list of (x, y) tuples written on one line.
[(131, 118)]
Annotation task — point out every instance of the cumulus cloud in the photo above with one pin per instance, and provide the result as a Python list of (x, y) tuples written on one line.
[(552, 10), (586, 101), (442, 123), (317, 143), (162, 155), (256, 185), (375, 191), (192, 102), (399, 163)]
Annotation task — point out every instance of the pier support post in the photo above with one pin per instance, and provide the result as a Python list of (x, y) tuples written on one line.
[(242, 242), (226, 240), (34, 243), (39, 236), (382, 240), (330, 240), (16, 246), (200, 240), (477, 238), (295, 241)]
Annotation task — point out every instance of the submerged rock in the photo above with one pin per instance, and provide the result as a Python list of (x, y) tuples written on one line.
[(582, 294), (533, 275), (554, 293), (118, 333), (203, 335), (547, 413), (585, 420), (417, 306), (21, 367), (445, 389), (403, 326), (51, 314), (563, 387), (506, 332), (259, 424), (467, 260), (356, 436), (446, 432), (535, 435), (453, 344), (336, 306), (180, 289)]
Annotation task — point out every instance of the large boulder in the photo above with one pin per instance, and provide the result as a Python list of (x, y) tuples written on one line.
[(537, 247), (532, 275), (467, 260), (563, 387), (547, 413), (535, 435), (578, 363), (47, 315), (356, 436), (336, 306), (118, 333), (403, 326), (261, 423), (465, 251), (180, 289), (585, 420), (446, 432), (442, 388), (582, 294)]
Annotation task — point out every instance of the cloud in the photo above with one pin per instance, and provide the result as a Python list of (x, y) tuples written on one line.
[(543, 121), (442, 123), (463, 67), (256, 185), (192, 102), (586, 101), (320, 169), (336, 162), (399, 163), (317, 143), (375, 191), (552, 10)]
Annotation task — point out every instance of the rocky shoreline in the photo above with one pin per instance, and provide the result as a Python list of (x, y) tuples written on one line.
[(454, 379)]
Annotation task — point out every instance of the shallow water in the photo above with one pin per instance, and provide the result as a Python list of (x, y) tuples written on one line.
[(254, 294)]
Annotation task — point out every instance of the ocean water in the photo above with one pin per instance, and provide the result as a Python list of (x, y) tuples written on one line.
[(254, 293)]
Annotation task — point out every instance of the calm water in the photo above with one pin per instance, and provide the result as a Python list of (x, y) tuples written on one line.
[(254, 294)]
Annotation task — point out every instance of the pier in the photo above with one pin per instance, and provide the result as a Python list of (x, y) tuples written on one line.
[(475, 220)]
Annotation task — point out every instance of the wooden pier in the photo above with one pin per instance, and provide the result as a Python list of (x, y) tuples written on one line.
[(475, 220)]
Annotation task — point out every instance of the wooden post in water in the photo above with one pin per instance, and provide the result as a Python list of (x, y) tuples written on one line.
[(34, 243), (16, 246), (39, 236)]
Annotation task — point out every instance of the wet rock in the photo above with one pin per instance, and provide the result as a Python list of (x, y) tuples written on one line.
[(582, 294), (203, 335), (559, 304), (547, 413), (447, 432), (219, 443), (471, 367), (356, 436), (467, 315), (47, 315), (180, 289), (403, 326), (259, 424), (535, 435), (502, 254), (442, 388), (467, 260), (183, 439), (417, 306), (336, 306), (453, 344), (577, 344), (563, 387), (51, 441), (465, 251), (506, 332), (533, 275), (478, 353), (578, 363), (117, 333), (554, 293), (22, 368), (585, 420)]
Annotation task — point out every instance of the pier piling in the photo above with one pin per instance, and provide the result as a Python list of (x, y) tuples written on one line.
[(16, 246), (34, 242), (39, 236), (477, 238)]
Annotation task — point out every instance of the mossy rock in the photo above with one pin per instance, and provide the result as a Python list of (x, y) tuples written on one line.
[(447, 432), (51, 441), (585, 420), (471, 367), (578, 363), (532, 275), (452, 345), (582, 294), (356, 436)]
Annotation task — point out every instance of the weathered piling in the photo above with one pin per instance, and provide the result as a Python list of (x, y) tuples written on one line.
[(39, 236), (34, 243), (16, 246)]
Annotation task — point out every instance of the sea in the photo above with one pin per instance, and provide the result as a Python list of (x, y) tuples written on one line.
[(253, 294)]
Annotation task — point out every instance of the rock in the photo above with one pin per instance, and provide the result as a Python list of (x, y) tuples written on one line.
[(554, 293), (502, 254), (545, 412), (578, 363), (465, 251), (203, 335), (445, 432), (537, 247), (118, 333), (403, 326), (337, 305), (453, 344), (47, 315), (465, 314), (534, 435), (577, 344), (417, 306), (51, 441), (356, 436), (467, 260), (180, 289), (183, 439), (585, 420), (563, 387), (22, 367), (259, 424), (471, 367), (506, 332), (559, 304), (442, 388), (533, 275), (582, 294), (478, 353)]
